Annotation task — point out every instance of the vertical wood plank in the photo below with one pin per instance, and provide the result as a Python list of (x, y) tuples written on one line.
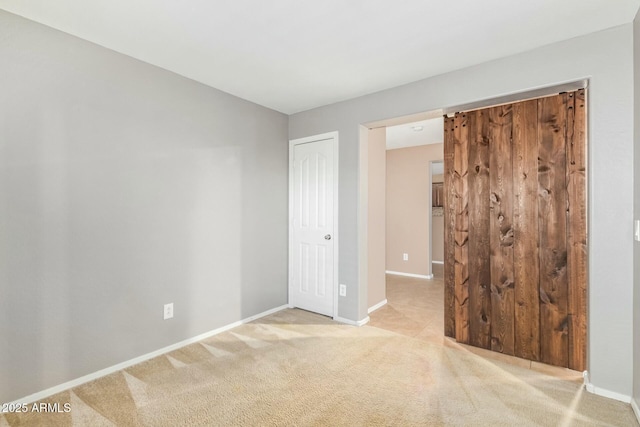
[(501, 237), (552, 211), (461, 237), (525, 230), (577, 229), (449, 234), (479, 243)]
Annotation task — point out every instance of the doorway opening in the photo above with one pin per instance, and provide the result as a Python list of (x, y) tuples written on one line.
[(436, 217), (401, 161), (536, 263)]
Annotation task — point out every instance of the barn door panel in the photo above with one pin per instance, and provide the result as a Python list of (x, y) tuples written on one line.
[(479, 226), (461, 234), (449, 230), (501, 229), (525, 230), (515, 229), (552, 206), (577, 229)]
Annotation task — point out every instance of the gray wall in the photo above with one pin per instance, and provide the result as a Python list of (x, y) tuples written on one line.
[(606, 58), (636, 246), (124, 187)]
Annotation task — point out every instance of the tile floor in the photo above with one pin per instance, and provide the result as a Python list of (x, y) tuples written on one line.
[(415, 308)]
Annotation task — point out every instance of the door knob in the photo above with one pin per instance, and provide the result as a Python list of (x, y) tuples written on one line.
[(327, 237)]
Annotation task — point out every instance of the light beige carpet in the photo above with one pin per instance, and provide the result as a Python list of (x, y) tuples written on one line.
[(298, 368)]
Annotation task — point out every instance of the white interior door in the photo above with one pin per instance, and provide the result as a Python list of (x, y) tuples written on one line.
[(312, 279)]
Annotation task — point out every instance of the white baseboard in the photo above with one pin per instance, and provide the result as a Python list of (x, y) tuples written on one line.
[(636, 409), (607, 393), (437, 262), (120, 366), (377, 306), (352, 322), (419, 276)]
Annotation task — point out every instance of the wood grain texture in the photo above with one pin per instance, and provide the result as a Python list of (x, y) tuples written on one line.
[(552, 210), (525, 230), (516, 229), (461, 237), (501, 229), (577, 229), (479, 243), (449, 237)]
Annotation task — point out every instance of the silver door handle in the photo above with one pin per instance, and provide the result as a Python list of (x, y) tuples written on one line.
[(327, 237)]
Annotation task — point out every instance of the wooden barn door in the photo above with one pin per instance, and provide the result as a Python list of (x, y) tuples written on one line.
[(516, 229)]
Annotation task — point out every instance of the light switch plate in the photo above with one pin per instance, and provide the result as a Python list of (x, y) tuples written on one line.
[(636, 230)]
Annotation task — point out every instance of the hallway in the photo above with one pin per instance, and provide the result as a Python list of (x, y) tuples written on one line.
[(414, 308)]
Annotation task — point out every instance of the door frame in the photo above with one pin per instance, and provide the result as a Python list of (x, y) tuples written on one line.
[(336, 230), (430, 214)]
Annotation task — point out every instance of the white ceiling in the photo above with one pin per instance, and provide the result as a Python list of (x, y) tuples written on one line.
[(407, 135), (293, 55)]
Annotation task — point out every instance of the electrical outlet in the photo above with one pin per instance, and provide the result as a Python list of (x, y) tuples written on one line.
[(343, 290), (168, 311), (405, 257)]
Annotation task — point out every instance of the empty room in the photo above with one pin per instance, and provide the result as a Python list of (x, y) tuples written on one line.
[(192, 213)]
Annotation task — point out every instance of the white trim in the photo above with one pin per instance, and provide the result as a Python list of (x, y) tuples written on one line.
[(120, 366), (606, 393), (336, 199), (377, 306), (636, 409), (352, 322), (419, 276), (430, 215), (437, 262)]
